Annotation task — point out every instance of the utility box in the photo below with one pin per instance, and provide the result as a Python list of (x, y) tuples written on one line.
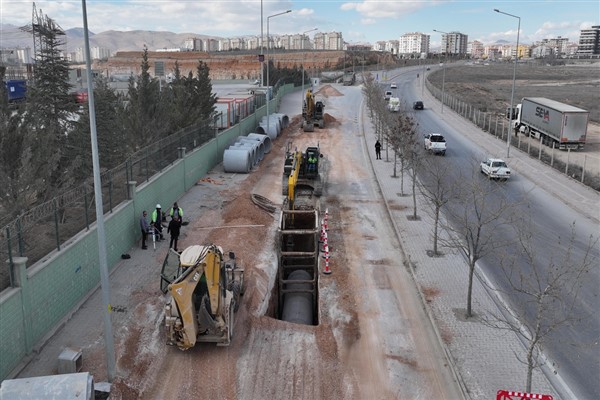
[(70, 361)]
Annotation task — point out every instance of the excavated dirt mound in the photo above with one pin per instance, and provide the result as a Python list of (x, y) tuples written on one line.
[(327, 91)]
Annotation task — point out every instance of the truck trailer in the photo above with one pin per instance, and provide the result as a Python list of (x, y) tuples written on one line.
[(551, 121)]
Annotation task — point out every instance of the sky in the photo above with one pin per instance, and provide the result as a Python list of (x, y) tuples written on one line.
[(365, 21)]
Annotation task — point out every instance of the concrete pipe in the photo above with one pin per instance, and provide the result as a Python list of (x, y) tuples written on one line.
[(284, 119), (260, 148), (237, 160), (298, 307), (253, 147), (262, 128), (251, 151), (266, 141), (273, 121)]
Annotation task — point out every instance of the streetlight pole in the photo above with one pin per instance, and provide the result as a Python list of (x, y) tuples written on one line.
[(512, 94), (303, 67), (444, 64), (268, 84), (262, 69)]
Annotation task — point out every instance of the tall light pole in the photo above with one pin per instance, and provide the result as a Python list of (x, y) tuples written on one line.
[(261, 56), (303, 67), (109, 346), (269, 45), (444, 64), (512, 94)]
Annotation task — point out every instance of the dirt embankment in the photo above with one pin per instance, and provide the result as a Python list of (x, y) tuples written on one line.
[(222, 65)]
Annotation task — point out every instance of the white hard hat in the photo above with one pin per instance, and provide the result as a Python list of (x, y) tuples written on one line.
[(158, 206)]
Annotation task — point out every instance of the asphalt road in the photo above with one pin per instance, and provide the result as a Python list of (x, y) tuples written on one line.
[(574, 345)]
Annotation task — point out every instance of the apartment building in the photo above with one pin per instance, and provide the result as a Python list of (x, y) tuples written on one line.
[(475, 49), (454, 43), (328, 41), (413, 43), (589, 41)]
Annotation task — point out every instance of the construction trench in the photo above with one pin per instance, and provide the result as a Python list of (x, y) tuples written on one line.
[(298, 267)]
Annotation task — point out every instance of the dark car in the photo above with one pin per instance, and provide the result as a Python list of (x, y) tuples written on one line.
[(418, 105)]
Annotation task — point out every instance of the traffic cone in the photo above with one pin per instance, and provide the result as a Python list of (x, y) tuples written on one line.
[(326, 218), (325, 223), (327, 270), (324, 245), (322, 237)]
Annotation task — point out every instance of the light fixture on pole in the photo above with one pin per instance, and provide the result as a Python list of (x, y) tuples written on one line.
[(303, 68), (512, 94), (444, 64), (269, 45)]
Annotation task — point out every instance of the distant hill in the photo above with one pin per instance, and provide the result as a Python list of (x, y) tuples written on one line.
[(12, 37)]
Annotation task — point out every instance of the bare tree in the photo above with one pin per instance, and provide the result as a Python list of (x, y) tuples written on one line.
[(546, 290), (436, 185), (477, 211), (411, 153)]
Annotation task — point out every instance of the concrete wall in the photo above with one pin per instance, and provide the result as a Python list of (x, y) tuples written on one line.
[(49, 292)]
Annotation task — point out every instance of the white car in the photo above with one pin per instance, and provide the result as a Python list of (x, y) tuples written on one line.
[(393, 86), (435, 143), (388, 95), (495, 168)]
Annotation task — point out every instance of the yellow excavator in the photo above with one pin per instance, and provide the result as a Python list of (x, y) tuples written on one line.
[(312, 112), (302, 177), (203, 293)]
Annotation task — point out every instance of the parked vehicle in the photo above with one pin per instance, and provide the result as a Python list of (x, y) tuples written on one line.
[(551, 121), (418, 105), (495, 168), (435, 143)]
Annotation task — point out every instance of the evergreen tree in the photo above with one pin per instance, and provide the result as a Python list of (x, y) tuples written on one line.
[(204, 96), (49, 116), (112, 144)]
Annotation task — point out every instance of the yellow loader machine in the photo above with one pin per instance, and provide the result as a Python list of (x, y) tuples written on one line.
[(203, 293)]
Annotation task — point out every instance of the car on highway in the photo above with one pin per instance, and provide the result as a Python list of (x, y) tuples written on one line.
[(418, 105), (388, 95), (393, 86), (435, 143), (495, 168)]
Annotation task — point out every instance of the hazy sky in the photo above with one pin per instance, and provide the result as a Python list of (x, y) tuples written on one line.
[(359, 21)]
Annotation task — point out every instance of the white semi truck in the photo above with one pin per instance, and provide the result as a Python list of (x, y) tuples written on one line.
[(551, 121)]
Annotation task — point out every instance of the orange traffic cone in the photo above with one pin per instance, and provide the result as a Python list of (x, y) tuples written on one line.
[(326, 218), (322, 237)]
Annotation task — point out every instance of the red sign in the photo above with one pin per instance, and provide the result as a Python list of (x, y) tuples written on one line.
[(506, 395)]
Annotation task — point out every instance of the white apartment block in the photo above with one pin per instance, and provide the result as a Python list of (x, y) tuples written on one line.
[(391, 46), (413, 43), (328, 41), (454, 43), (558, 45), (475, 49)]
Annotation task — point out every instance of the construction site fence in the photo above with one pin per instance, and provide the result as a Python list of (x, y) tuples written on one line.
[(583, 169), (36, 232)]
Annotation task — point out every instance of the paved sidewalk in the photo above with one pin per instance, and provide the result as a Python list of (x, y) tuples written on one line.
[(484, 357)]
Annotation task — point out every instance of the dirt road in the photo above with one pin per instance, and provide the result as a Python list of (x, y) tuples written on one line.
[(373, 339)]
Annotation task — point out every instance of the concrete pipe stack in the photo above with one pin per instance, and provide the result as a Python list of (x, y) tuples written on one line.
[(283, 119), (251, 148), (254, 144), (264, 139)]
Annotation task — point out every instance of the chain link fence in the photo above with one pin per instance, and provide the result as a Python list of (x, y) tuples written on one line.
[(581, 167)]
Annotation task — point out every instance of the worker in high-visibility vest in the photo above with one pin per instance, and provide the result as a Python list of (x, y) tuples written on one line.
[(176, 211), (157, 221)]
